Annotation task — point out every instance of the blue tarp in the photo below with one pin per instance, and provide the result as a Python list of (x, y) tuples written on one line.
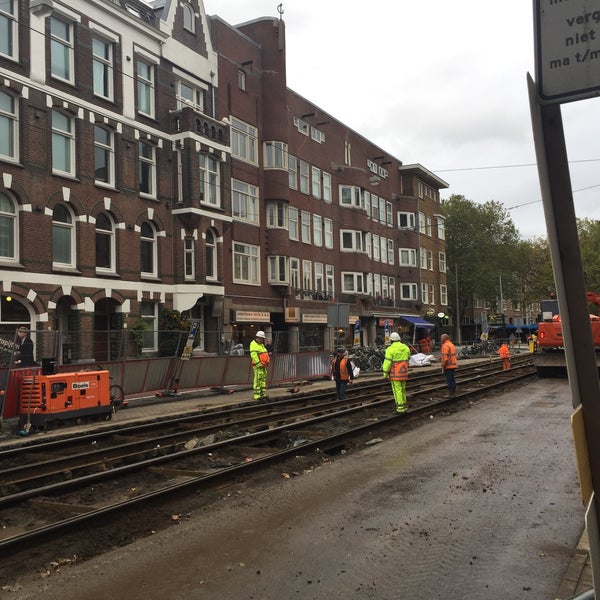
[(417, 321)]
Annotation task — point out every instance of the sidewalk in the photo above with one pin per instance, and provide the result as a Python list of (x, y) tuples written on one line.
[(578, 578)]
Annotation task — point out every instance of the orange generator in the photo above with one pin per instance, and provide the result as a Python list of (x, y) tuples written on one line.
[(64, 396)]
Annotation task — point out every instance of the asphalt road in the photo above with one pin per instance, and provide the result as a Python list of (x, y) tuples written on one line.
[(482, 504)]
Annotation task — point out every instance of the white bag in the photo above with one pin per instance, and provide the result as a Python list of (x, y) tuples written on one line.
[(355, 370)]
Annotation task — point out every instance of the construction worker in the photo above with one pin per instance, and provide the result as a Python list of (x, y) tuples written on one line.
[(395, 367), (341, 372), (260, 362), (448, 358), (504, 354)]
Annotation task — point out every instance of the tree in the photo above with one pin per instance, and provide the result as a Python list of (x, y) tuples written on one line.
[(589, 242), (481, 243)]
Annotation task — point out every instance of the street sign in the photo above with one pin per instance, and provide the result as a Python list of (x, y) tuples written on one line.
[(189, 346), (567, 49)]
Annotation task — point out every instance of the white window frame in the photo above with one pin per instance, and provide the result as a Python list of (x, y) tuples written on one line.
[(315, 177), (292, 172), (383, 250), (65, 229), (327, 191), (425, 293), (62, 47), (246, 263), (211, 255), (294, 273), (190, 95), (304, 172), (408, 291), (102, 68), (189, 258), (188, 17), (244, 201), (294, 224), (442, 262), (423, 258), (277, 215), (9, 226), (406, 220), (149, 314), (430, 259), (244, 141), (328, 233), (278, 270), (307, 278), (319, 279), (305, 226), (389, 211), (9, 126), (241, 78), (353, 282), (147, 169), (317, 230), (407, 257), (149, 243), (210, 180), (390, 251), (350, 196), (443, 295), (275, 155), (107, 149), (63, 142), (432, 294), (353, 241), (9, 32), (330, 281), (145, 75), (375, 244), (441, 228), (110, 236)]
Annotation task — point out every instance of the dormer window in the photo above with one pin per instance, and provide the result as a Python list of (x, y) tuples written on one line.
[(189, 19)]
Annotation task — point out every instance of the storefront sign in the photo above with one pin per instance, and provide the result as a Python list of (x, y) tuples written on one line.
[(248, 316), (308, 318)]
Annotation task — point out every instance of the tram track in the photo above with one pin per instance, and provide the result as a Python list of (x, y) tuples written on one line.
[(49, 487)]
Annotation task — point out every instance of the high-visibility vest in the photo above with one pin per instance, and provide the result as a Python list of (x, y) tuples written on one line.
[(259, 356), (395, 364), (504, 352), (448, 355)]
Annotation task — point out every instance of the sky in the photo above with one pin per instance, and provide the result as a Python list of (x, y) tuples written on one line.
[(445, 85)]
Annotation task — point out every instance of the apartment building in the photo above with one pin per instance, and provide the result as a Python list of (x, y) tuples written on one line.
[(153, 158)]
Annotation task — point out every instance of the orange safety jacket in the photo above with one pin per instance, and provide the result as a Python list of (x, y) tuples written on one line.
[(395, 365), (504, 352), (448, 355), (345, 367), (259, 356)]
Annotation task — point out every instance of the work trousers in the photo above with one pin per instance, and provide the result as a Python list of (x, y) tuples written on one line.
[(449, 375), (260, 382), (399, 390), (506, 364)]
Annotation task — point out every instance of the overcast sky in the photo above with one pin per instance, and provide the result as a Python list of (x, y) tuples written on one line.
[(444, 84)]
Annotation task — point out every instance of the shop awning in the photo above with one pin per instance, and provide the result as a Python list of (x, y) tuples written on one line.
[(417, 321)]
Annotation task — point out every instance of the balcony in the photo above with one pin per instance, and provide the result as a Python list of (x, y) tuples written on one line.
[(316, 295)]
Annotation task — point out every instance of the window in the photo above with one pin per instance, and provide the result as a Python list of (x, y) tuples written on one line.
[(350, 196), (189, 95), (328, 232), (9, 11), (389, 214), (147, 169), (277, 215), (145, 87), (423, 258), (295, 273), (390, 251), (354, 283), (442, 261), (406, 220), (104, 156), (383, 249), (149, 314), (210, 245), (210, 187), (293, 172), (189, 258), (441, 228), (319, 279), (317, 230), (407, 257), (8, 228), (422, 225), (375, 243), (392, 286), (307, 277), (316, 182), (276, 155), (430, 259), (377, 285), (244, 201), (382, 213), (189, 21), (277, 269), (304, 178), (329, 281), (245, 264), (294, 231), (9, 126), (432, 294), (242, 80), (102, 68), (63, 144), (425, 293), (63, 237), (327, 187), (428, 225), (355, 241), (244, 144), (305, 222), (148, 250), (443, 295), (374, 208), (61, 49), (408, 291), (105, 244)]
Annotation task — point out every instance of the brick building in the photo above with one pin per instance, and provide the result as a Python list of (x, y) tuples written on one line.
[(152, 158)]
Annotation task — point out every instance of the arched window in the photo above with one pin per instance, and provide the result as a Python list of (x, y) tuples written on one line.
[(63, 237), (210, 244), (8, 228), (148, 250), (105, 244), (189, 21)]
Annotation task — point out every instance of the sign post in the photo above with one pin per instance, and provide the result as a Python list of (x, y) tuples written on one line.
[(567, 36)]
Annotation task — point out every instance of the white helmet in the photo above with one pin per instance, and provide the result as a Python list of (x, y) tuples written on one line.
[(394, 337), (260, 334)]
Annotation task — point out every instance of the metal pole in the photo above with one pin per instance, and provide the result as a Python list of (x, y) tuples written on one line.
[(457, 312)]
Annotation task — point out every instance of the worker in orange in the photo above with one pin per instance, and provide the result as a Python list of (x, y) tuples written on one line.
[(504, 354), (395, 367), (425, 344), (448, 358), (260, 363)]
